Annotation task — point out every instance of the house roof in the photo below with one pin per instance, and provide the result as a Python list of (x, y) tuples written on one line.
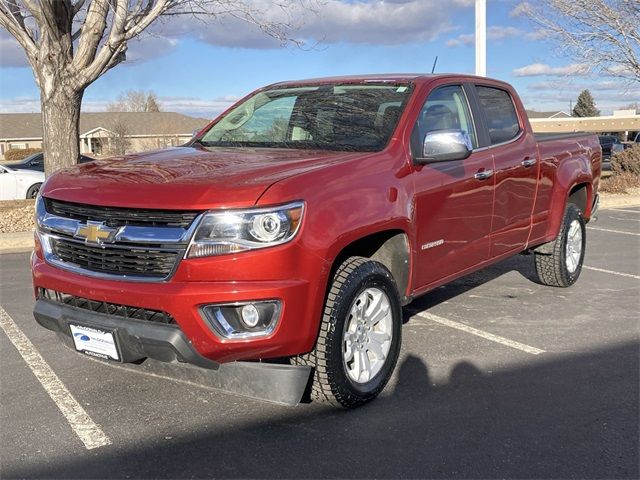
[(553, 114), (29, 125)]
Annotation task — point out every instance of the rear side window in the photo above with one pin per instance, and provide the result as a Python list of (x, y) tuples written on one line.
[(502, 120)]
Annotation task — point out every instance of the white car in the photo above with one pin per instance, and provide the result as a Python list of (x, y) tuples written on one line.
[(19, 184)]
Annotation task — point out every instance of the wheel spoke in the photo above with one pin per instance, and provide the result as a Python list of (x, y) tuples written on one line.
[(379, 337), (376, 348), (374, 304), (365, 366), (350, 351)]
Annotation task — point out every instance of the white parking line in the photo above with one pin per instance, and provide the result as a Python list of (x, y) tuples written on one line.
[(480, 333), (626, 219), (81, 423), (595, 269), (613, 231), (623, 210)]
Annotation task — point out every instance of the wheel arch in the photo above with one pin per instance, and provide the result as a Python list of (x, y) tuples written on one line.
[(389, 247)]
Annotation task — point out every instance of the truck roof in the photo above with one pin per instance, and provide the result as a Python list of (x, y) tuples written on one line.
[(375, 78)]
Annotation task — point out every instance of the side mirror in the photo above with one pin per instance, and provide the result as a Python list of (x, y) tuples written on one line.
[(445, 145)]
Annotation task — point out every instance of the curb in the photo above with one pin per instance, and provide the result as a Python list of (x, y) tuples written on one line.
[(16, 242), (23, 241), (619, 200)]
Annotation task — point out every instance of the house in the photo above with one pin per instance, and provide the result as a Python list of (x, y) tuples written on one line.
[(99, 132), (554, 114)]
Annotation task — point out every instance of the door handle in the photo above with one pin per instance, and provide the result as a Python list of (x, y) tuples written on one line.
[(484, 174), (529, 162)]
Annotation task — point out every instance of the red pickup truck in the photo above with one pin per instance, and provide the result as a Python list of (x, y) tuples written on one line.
[(293, 228)]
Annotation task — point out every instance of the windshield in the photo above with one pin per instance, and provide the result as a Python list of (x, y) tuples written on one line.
[(325, 117)]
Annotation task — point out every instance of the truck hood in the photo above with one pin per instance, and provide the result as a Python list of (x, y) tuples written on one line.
[(185, 177)]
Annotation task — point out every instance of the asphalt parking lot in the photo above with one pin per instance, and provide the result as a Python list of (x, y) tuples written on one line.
[(499, 377)]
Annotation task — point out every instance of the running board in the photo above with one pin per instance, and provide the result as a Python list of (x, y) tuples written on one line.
[(270, 382)]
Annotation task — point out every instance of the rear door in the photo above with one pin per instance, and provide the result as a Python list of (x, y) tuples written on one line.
[(454, 199), (516, 169)]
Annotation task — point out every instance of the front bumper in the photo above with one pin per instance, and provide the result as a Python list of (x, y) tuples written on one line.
[(136, 339), (294, 334)]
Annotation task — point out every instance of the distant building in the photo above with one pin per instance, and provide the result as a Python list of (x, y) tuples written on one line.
[(143, 130), (553, 114), (625, 113)]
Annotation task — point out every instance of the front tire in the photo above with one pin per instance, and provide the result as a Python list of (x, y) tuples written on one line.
[(562, 266), (33, 190), (360, 335)]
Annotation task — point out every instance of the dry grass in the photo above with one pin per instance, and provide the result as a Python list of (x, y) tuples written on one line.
[(620, 183)]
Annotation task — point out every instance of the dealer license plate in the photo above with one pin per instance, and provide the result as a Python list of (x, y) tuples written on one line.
[(95, 342)]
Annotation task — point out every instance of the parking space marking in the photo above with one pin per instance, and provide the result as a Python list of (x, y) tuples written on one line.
[(626, 219), (595, 269), (623, 210), (613, 231), (480, 333), (81, 423)]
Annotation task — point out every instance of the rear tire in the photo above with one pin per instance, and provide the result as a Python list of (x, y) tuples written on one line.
[(562, 266), (360, 335), (33, 190)]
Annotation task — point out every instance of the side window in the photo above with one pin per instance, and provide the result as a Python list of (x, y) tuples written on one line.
[(502, 120), (446, 108)]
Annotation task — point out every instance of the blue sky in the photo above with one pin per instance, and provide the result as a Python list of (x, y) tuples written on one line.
[(199, 69)]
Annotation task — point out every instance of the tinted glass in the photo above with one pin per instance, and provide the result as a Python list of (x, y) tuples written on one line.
[(446, 108), (327, 117), (500, 114)]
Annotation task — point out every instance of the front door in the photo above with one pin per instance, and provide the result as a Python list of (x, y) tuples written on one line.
[(454, 199)]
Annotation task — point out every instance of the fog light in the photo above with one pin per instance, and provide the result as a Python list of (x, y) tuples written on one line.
[(242, 320), (250, 315)]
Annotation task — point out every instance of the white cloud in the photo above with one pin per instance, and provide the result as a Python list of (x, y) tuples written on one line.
[(520, 9), (207, 108), (538, 69), (494, 32), (377, 22), (555, 94)]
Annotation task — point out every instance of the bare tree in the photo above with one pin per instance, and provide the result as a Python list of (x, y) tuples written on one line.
[(602, 34), (118, 140), (71, 43), (135, 101)]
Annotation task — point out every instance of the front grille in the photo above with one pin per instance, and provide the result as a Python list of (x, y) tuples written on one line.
[(118, 217), (106, 307), (134, 261)]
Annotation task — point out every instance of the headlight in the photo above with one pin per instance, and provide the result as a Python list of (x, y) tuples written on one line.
[(232, 231)]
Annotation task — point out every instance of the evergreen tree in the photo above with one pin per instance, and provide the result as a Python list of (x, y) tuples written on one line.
[(152, 103), (585, 106)]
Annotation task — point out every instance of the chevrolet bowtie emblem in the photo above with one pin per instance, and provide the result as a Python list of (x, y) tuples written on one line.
[(95, 232)]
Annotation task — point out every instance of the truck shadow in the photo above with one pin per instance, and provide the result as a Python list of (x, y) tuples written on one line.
[(564, 416), (522, 264)]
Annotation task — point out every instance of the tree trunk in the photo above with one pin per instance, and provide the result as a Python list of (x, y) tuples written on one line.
[(61, 128)]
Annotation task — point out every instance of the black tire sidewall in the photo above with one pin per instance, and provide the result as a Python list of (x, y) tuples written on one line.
[(368, 275), (33, 189), (572, 213)]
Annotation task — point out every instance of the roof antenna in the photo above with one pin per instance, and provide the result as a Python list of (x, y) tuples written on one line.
[(433, 69)]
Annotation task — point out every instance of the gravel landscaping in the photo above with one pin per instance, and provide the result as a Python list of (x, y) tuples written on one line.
[(16, 216)]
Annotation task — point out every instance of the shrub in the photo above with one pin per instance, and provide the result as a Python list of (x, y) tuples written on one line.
[(620, 182), (627, 161), (19, 153)]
